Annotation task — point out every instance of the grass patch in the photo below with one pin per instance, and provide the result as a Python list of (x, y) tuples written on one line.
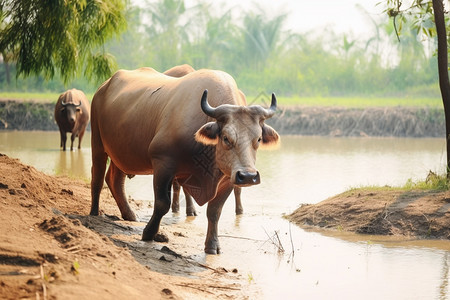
[(432, 182), (360, 102)]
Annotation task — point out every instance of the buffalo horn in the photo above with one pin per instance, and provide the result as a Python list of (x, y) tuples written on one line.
[(207, 109), (65, 104), (269, 112)]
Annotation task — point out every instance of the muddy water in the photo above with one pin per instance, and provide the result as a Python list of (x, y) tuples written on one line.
[(314, 265)]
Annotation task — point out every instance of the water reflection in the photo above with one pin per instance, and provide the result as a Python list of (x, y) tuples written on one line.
[(305, 169), (72, 163)]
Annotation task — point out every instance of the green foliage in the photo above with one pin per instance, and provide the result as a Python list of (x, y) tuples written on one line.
[(432, 182), (57, 37), (255, 49)]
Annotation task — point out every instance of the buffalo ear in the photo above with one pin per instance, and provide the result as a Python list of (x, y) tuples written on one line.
[(208, 134), (270, 137)]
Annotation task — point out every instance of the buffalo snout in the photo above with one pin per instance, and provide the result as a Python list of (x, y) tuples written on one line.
[(244, 178)]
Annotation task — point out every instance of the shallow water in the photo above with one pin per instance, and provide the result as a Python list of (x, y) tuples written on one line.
[(315, 265)]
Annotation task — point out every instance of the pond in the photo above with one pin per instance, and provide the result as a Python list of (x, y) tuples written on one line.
[(315, 264)]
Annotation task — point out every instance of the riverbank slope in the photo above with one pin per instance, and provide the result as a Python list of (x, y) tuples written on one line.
[(50, 248), (412, 213)]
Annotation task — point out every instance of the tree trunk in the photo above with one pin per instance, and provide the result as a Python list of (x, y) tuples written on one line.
[(7, 72), (444, 84)]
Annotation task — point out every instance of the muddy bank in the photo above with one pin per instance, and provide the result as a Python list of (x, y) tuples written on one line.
[(21, 115), (322, 121), (373, 121), (51, 249), (414, 213)]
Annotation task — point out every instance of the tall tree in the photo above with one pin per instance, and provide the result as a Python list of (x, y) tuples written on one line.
[(424, 11), (261, 37), (60, 37), (167, 31)]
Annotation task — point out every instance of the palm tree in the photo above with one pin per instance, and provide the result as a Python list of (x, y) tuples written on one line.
[(261, 37), (166, 31)]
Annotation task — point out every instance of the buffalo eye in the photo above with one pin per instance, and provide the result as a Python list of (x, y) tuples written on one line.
[(227, 142), (260, 139), (78, 109)]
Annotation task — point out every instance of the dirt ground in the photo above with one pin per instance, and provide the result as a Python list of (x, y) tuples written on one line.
[(51, 249), (414, 214)]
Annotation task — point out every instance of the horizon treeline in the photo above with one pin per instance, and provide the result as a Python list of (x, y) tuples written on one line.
[(256, 49)]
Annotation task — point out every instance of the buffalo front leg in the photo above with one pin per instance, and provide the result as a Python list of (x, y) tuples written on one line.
[(63, 140), (80, 137), (72, 139), (115, 179), (213, 212), (237, 196), (162, 183)]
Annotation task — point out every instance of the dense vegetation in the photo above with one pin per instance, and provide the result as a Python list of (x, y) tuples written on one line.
[(254, 47)]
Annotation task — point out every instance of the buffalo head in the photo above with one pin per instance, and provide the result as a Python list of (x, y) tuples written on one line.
[(237, 133), (70, 110)]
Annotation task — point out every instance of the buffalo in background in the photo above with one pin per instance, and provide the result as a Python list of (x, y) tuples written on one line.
[(72, 112)]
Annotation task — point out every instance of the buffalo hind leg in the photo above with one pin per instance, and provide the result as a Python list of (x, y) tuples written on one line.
[(213, 212), (176, 196), (98, 177), (115, 179), (190, 208), (237, 196), (162, 184)]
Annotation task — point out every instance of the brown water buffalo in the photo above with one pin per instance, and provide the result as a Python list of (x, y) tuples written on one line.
[(180, 71), (150, 123), (72, 115)]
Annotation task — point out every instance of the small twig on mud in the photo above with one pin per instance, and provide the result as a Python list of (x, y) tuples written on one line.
[(292, 242), (74, 249), (240, 237), (44, 287), (275, 240), (194, 287), (210, 286)]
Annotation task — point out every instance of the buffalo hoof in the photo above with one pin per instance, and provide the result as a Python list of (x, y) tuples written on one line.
[(147, 237), (129, 216), (239, 212), (161, 237), (148, 234), (191, 213), (212, 251)]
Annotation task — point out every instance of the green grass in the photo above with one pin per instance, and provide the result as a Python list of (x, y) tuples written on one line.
[(433, 182), (360, 101), (282, 101)]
